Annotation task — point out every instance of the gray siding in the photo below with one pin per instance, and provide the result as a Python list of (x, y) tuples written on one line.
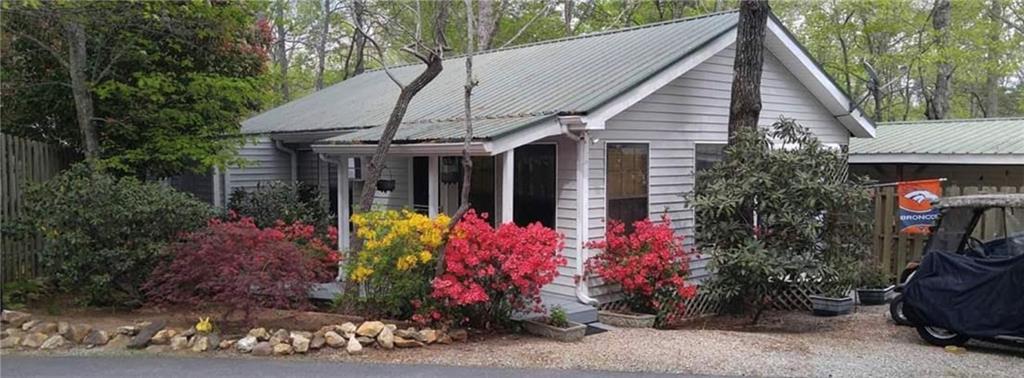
[(565, 213), (264, 163), (692, 108), (397, 169)]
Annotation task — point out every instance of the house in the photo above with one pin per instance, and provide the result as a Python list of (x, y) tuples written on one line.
[(568, 132), (984, 152)]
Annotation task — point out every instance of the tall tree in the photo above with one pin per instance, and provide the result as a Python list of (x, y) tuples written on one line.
[(281, 50), (937, 98), (745, 105)]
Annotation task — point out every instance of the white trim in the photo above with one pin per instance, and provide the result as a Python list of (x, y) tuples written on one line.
[(815, 80), (507, 195), (964, 159), (605, 185), (595, 120), (525, 136), (582, 217)]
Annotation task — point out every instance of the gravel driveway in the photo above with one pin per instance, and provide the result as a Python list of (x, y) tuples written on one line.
[(790, 344)]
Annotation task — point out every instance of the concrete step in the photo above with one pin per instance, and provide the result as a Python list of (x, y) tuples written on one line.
[(598, 327)]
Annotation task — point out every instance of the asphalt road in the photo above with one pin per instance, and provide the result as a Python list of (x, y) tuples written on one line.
[(158, 367)]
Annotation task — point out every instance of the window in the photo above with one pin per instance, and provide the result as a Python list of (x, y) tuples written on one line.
[(534, 185), (999, 232), (707, 154), (420, 184), (627, 177)]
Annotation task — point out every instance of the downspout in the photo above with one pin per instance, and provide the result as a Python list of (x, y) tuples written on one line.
[(582, 210), (279, 145)]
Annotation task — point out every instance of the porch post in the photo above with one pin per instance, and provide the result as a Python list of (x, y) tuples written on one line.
[(433, 183), (343, 205), (508, 170)]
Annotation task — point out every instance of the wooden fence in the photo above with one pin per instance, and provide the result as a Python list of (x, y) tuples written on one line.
[(892, 249), (23, 161)]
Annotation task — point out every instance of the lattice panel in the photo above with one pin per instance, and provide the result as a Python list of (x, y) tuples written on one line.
[(700, 305)]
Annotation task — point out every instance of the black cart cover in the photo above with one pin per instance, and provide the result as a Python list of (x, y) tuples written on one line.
[(973, 296)]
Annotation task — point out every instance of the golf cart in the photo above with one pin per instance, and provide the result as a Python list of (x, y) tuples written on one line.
[(970, 281)]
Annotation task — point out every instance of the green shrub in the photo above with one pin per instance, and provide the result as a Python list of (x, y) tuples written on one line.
[(779, 209), (287, 202), (104, 235), (18, 294), (558, 318)]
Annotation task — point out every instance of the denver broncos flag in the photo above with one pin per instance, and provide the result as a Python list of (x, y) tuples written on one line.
[(915, 199)]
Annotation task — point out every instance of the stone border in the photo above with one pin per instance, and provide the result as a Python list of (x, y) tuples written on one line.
[(574, 333)]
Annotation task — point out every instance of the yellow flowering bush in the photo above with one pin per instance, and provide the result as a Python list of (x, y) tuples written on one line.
[(395, 262)]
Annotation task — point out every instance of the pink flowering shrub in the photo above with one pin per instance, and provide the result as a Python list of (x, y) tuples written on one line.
[(237, 265), (649, 264), (489, 273)]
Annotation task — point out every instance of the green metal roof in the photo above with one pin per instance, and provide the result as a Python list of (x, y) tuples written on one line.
[(518, 86), (982, 136)]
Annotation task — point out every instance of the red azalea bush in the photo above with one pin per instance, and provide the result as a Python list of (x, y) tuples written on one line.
[(491, 272), (236, 264), (305, 237), (650, 264)]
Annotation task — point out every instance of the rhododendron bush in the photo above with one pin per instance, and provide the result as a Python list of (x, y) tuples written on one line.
[(234, 263), (396, 261), (489, 273), (649, 264)]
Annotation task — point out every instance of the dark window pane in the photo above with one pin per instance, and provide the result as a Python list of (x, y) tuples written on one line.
[(627, 178), (420, 182), (534, 183), (708, 155), (481, 191)]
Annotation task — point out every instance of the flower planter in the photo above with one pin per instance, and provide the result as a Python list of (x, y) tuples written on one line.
[(874, 297), (385, 185), (617, 319), (575, 332), (829, 306)]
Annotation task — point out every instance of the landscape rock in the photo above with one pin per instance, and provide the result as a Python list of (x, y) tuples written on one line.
[(55, 342), (77, 332), (34, 340), (281, 336), (458, 334), (354, 346), (15, 318), (260, 334), (334, 340), (347, 327), (179, 342), (262, 348), (364, 340), (10, 342), (386, 339), (317, 342), (408, 333), (191, 331), (323, 330), (428, 335), (129, 330), (200, 343), (156, 348), (63, 328), (283, 349), (300, 342), (246, 344), (369, 329), (12, 332), (96, 337), (119, 341), (164, 336), (214, 340), (27, 325), (44, 327), (401, 342), (444, 339), (391, 327), (226, 344), (141, 340)]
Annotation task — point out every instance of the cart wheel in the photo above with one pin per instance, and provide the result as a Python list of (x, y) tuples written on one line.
[(896, 312), (941, 336)]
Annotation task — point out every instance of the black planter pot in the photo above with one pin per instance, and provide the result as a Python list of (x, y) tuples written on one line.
[(385, 185), (875, 297)]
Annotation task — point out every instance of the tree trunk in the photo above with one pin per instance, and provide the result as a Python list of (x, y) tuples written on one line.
[(745, 107), (467, 161), (358, 9), (993, 77), (938, 102), (487, 23), (281, 50), (321, 48), (81, 89), (567, 17)]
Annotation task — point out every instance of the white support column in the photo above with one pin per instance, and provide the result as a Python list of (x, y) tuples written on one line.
[(218, 189), (433, 185), (582, 216), (343, 205), (508, 170)]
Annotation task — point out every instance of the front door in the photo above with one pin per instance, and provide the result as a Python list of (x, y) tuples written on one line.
[(534, 185)]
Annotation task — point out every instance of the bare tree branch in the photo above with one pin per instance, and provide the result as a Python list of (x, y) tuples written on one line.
[(547, 9)]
